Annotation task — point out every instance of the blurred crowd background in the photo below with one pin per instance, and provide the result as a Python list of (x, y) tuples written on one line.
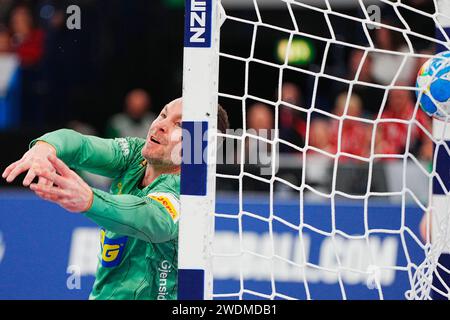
[(111, 77)]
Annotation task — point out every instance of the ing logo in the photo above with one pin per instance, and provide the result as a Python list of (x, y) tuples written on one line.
[(111, 249)]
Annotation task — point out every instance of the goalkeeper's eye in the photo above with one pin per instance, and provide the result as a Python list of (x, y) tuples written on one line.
[(178, 124)]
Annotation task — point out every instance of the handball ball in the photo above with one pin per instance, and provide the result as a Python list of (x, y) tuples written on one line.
[(433, 81)]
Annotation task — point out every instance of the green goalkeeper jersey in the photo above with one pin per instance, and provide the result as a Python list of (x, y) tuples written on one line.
[(139, 225)]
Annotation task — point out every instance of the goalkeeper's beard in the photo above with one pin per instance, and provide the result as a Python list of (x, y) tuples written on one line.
[(162, 165)]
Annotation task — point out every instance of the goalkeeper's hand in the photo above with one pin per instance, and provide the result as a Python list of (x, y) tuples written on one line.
[(35, 159), (68, 189)]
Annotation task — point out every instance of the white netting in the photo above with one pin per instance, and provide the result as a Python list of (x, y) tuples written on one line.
[(274, 240)]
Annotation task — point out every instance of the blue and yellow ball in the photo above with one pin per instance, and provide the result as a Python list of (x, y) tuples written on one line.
[(433, 81)]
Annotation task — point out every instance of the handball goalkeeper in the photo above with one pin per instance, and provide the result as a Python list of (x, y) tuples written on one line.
[(139, 218)]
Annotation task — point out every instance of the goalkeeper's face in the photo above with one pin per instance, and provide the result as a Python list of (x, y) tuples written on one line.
[(163, 144)]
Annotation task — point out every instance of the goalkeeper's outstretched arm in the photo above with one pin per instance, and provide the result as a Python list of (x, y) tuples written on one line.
[(107, 157), (140, 217)]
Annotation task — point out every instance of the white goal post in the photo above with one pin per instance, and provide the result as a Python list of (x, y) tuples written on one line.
[(200, 98), (285, 260)]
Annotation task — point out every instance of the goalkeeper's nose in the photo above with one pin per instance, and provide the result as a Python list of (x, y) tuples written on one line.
[(158, 127)]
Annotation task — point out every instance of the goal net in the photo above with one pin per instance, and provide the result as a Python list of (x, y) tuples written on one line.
[(331, 182)]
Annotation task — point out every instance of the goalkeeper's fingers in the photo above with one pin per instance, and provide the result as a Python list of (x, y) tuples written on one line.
[(50, 191), (45, 182), (60, 166), (47, 196), (10, 168), (18, 169), (31, 174), (52, 177)]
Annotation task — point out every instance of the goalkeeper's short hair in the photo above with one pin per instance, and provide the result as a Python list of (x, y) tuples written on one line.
[(222, 119), (222, 123)]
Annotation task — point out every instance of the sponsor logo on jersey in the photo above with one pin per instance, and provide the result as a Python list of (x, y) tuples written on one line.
[(111, 249), (169, 202), (163, 271), (198, 24), (2, 247), (124, 146)]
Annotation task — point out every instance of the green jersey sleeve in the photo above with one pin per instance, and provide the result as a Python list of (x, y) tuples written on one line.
[(107, 157), (153, 218)]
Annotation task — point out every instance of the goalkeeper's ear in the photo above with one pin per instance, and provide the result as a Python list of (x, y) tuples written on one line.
[(222, 123)]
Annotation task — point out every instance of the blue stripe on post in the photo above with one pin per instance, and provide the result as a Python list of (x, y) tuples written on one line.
[(443, 170), (194, 167), (197, 24), (191, 284), (440, 36)]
